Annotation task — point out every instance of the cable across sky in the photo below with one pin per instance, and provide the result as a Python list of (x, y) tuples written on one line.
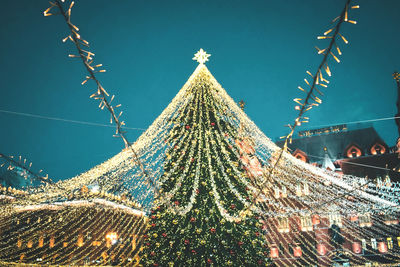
[(66, 120), (142, 129)]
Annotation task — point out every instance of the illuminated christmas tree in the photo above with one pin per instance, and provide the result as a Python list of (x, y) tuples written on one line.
[(209, 190), (204, 182)]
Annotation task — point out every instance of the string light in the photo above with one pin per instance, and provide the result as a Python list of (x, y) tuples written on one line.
[(202, 149), (102, 94), (27, 172), (299, 185), (310, 97)]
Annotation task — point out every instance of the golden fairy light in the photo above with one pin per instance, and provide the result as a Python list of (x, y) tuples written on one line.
[(311, 99), (108, 186), (87, 215), (112, 237)]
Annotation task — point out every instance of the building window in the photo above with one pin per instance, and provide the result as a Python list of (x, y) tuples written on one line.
[(298, 154), (378, 149), (335, 218), (353, 152), (365, 220), (283, 225), (306, 223)]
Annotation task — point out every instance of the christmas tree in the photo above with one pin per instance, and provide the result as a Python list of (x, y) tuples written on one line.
[(217, 195), (204, 182)]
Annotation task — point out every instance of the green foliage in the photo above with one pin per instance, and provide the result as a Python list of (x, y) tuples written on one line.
[(202, 176)]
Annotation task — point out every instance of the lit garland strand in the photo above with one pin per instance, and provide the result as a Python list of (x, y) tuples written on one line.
[(334, 192), (186, 141), (27, 172), (303, 185), (336, 185), (128, 225), (224, 171), (311, 98), (317, 255), (185, 121), (101, 94), (199, 186)]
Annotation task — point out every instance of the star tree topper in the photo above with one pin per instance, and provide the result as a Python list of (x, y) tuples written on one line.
[(201, 56)]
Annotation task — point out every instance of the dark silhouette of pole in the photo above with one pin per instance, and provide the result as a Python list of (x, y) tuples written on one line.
[(396, 77)]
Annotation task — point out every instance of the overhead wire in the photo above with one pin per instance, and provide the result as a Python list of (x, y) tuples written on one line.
[(66, 120), (355, 122), (142, 129), (353, 163)]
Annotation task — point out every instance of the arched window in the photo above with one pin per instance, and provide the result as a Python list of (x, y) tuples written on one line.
[(298, 154), (378, 149), (353, 151)]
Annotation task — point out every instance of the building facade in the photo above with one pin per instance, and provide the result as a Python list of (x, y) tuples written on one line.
[(357, 150)]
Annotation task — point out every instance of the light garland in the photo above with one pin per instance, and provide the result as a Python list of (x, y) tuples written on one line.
[(209, 161), (174, 138)]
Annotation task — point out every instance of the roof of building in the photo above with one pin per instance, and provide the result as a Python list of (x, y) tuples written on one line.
[(372, 166), (335, 143)]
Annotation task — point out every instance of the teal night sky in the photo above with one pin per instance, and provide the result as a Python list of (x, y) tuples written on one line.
[(260, 53)]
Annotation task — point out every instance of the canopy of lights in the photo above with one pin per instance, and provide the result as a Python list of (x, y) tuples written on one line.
[(202, 147)]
